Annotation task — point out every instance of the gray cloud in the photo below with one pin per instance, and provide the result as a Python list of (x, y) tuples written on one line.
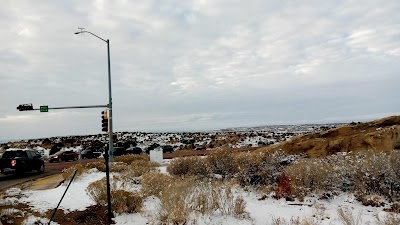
[(196, 65)]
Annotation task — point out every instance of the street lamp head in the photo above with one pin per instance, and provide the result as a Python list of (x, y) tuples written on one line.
[(79, 32)]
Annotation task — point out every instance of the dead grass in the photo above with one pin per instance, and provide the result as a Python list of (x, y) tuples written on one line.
[(118, 167), (222, 162), (174, 209), (390, 219), (122, 201), (347, 217), (258, 168), (126, 202), (188, 166), (128, 159), (98, 191), (137, 168), (68, 173), (295, 221), (188, 195), (154, 183), (101, 166)]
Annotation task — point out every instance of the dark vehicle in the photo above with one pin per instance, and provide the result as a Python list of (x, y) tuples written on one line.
[(134, 150), (90, 154), (118, 151), (20, 161), (64, 156), (167, 148)]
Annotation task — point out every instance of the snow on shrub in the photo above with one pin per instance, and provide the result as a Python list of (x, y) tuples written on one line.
[(313, 176), (221, 162), (377, 173), (259, 168)]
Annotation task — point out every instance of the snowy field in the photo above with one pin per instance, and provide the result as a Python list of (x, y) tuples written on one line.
[(261, 212)]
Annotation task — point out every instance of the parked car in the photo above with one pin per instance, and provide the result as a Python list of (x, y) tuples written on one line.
[(134, 150), (118, 151), (20, 161), (64, 156), (167, 148), (90, 154)]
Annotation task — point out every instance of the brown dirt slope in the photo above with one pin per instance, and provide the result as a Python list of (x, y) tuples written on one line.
[(378, 135)]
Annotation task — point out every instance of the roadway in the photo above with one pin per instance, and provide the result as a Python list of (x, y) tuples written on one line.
[(7, 181)]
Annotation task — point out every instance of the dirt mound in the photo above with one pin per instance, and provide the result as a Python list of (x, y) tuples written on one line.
[(378, 135)]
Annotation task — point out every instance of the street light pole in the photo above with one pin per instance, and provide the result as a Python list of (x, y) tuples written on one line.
[(110, 118), (109, 153)]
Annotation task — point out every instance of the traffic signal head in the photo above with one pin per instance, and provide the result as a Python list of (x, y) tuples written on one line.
[(25, 107), (104, 121)]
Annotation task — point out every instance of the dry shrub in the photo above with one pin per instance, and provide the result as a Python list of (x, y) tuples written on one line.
[(394, 207), (187, 195), (98, 191), (239, 208), (347, 218), (122, 201), (222, 162), (311, 176), (211, 197), (118, 167), (319, 211), (69, 172), (126, 202), (295, 221), (12, 216), (259, 168), (188, 166), (128, 159), (372, 200), (154, 183), (137, 168), (390, 219), (377, 173), (372, 171), (99, 165), (394, 182), (174, 209), (283, 189)]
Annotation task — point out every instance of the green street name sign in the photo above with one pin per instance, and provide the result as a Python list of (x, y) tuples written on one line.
[(44, 108)]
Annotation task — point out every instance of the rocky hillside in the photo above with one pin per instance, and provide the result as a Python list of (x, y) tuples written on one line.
[(378, 135)]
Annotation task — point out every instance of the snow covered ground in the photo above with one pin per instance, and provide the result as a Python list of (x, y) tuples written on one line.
[(262, 212)]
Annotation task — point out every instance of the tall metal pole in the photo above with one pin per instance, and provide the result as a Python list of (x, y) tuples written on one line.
[(110, 138), (110, 118), (109, 154)]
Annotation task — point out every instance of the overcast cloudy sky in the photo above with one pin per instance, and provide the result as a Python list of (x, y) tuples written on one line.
[(197, 64)]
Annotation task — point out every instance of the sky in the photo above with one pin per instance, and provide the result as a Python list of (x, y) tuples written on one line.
[(196, 65)]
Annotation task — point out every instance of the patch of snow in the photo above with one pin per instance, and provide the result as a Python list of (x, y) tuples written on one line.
[(76, 197)]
